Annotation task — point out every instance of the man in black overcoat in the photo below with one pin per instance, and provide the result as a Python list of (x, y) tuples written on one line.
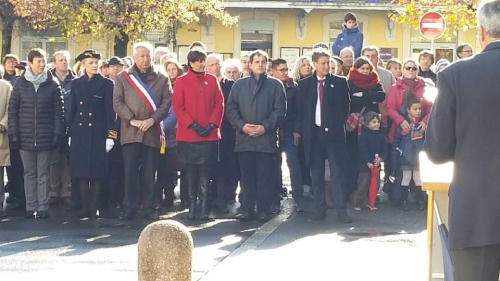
[(464, 128), (325, 106)]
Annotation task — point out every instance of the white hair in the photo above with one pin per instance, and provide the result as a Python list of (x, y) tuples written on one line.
[(232, 63), (162, 49), (488, 17), (347, 49), (62, 52), (144, 44), (215, 56), (168, 57)]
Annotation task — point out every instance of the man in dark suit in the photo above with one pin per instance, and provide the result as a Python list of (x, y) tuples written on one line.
[(325, 106), (464, 128)]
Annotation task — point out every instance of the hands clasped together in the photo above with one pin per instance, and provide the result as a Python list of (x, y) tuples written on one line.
[(253, 130), (202, 131)]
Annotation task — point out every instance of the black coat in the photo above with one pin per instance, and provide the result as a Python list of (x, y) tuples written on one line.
[(463, 128), (376, 95), (92, 121), (370, 143), (66, 92), (228, 134), (36, 117), (335, 109), (259, 102), (290, 125)]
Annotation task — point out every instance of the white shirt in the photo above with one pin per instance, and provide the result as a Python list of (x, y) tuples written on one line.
[(318, 103)]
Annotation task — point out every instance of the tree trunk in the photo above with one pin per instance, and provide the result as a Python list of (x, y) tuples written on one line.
[(7, 28), (121, 45)]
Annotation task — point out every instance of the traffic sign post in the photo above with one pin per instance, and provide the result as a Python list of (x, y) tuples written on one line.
[(432, 26)]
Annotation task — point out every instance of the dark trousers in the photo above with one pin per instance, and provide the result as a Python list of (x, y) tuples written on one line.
[(304, 169), (140, 164), (352, 166), (476, 263), (116, 179), (320, 150), (164, 180), (15, 175), (256, 180)]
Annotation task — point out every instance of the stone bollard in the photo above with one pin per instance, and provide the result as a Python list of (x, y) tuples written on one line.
[(165, 252)]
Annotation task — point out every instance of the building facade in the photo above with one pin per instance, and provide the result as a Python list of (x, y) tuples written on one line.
[(284, 29)]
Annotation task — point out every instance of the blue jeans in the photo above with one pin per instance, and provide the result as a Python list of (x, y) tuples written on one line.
[(292, 161)]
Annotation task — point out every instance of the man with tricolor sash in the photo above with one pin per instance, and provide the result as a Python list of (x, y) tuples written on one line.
[(141, 99)]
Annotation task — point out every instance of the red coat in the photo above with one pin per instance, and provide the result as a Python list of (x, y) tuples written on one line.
[(197, 97), (395, 101)]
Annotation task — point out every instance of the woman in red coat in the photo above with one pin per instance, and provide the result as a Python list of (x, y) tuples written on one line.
[(396, 97), (199, 105)]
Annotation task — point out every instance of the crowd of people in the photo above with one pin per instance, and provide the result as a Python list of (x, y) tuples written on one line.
[(121, 132)]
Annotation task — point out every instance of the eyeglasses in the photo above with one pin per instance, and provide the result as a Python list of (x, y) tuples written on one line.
[(468, 51), (282, 69), (408, 68)]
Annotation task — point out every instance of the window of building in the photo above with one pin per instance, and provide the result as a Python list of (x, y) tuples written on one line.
[(50, 46), (257, 34)]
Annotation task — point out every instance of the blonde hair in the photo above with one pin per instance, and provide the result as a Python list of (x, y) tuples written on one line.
[(298, 64)]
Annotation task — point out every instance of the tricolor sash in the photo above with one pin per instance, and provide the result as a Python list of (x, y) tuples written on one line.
[(149, 99)]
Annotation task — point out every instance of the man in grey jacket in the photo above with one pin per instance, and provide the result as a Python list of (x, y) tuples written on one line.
[(256, 106)]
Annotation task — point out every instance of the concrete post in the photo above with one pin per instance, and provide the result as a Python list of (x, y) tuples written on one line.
[(165, 252)]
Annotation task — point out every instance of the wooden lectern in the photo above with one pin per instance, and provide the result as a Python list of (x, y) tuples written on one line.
[(436, 181)]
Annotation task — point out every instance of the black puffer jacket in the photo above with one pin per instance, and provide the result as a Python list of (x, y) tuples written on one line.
[(36, 117)]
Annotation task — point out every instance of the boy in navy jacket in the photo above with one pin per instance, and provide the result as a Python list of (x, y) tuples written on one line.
[(373, 149), (349, 37)]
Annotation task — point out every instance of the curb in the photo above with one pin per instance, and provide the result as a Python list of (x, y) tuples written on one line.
[(232, 261)]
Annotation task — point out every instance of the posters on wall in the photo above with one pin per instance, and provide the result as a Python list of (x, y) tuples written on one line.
[(290, 54)]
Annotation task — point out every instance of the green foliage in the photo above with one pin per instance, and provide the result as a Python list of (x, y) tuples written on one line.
[(106, 18), (459, 14)]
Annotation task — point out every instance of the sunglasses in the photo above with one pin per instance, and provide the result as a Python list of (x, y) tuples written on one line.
[(408, 68)]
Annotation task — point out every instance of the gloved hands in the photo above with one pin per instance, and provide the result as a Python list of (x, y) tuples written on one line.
[(55, 141), (207, 130), (15, 143), (109, 144), (198, 129)]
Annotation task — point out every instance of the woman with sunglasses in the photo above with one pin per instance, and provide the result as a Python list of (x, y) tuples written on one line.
[(408, 83)]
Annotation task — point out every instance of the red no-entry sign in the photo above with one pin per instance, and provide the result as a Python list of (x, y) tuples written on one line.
[(432, 25)]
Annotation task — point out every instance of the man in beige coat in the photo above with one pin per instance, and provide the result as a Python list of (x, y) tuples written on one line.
[(5, 90), (140, 127)]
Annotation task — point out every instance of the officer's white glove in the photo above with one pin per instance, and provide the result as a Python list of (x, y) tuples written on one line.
[(69, 141), (109, 144)]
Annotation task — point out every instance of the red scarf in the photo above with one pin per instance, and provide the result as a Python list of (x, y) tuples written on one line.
[(363, 81)]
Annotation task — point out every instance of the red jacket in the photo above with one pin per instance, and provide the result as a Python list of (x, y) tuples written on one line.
[(395, 101), (197, 97)]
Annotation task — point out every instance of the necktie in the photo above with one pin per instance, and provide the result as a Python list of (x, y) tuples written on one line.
[(321, 90)]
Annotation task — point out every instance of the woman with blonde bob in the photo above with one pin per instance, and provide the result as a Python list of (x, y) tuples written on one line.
[(303, 68)]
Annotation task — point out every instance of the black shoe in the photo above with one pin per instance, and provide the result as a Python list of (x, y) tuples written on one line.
[(126, 216), (54, 200), (29, 215), (263, 217), (404, 205), (42, 214), (167, 203), (422, 206), (319, 216), (299, 206), (274, 208), (344, 217), (246, 217), (11, 200), (152, 216), (66, 201)]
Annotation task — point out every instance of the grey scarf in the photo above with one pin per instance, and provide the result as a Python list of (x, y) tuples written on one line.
[(35, 79)]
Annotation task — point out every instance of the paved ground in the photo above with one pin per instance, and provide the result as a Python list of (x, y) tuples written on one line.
[(383, 245), (63, 246)]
